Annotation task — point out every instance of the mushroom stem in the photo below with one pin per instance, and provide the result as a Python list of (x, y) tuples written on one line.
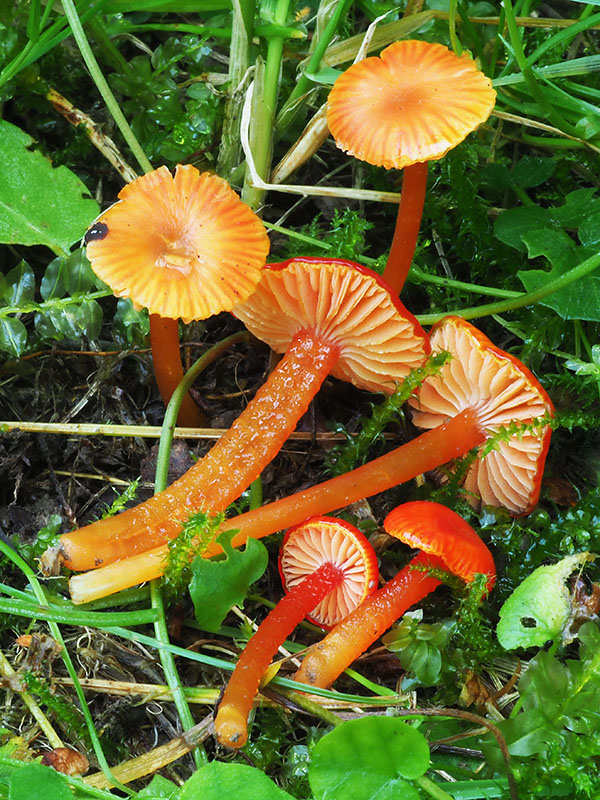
[(438, 446), (354, 634), (168, 369), (232, 718), (408, 222), (220, 477)]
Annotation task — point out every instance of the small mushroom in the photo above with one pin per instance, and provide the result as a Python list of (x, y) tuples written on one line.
[(446, 542), (184, 247), (329, 317), (408, 106), (480, 391), (328, 568)]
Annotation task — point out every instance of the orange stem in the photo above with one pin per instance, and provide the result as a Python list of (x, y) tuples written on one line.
[(326, 660), (231, 724), (408, 222), (168, 369), (428, 451), (220, 477)]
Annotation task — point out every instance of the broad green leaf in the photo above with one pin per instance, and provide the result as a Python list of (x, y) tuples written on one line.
[(159, 788), (36, 780), (531, 171), (216, 586), (512, 224), (13, 336), (372, 758), (579, 300), (539, 607), (39, 204), (217, 781), (53, 283), (577, 208), (19, 286), (589, 230)]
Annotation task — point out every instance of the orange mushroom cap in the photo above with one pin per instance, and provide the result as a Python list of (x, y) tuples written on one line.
[(441, 532), (182, 246), (344, 304), (413, 103), (317, 541), (501, 390)]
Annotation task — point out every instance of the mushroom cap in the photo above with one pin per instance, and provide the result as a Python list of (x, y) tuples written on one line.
[(413, 103), (441, 532), (319, 540), (182, 246), (343, 303), (502, 391)]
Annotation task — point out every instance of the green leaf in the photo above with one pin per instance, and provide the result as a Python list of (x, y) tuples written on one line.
[(13, 336), (35, 780), (579, 300), (531, 171), (216, 781), (539, 607), (19, 285), (39, 204), (216, 586), (512, 224), (589, 230), (159, 787), (577, 208), (368, 758)]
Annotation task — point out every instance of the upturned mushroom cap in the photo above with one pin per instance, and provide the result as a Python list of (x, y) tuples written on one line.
[(502, 391), (326, 539), (182, 246), (441, 532), (413, 103), (343, 304)]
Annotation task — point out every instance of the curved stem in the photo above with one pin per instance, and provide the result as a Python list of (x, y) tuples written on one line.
[(168, 369), (429, 450), (221, 476), (355, 633), (526, 299), (232, 717), (408, 222)]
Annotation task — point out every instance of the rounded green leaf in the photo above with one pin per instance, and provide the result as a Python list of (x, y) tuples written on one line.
[(373, 757), (13, 336), (217, 781)]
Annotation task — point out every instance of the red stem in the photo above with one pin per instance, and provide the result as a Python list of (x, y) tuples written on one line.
[(344, 643), (168, 369), (220, 477), (232, 717), (408, 222)]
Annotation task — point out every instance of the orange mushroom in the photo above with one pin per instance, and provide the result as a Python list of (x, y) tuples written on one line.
[(446, 542), (402, 109), (184, 247), (479, 392), (329, 316), (328, 569)]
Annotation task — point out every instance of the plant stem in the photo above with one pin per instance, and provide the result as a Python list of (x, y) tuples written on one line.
[(294, 102), (6, 671), (102, 85), (433, 789), (525, 299), (55, 631), (239, 62), (75, 616), (262, 123)]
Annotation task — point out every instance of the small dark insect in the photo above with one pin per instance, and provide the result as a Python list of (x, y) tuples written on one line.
[(99, 230)]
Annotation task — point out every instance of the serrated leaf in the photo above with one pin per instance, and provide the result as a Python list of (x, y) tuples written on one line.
[(578, 207), (216, 586), (368, 758), (13, 336), (538, 609), (39, 203), (531, 171), (216, 781), (19, 287), (512, 224)]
